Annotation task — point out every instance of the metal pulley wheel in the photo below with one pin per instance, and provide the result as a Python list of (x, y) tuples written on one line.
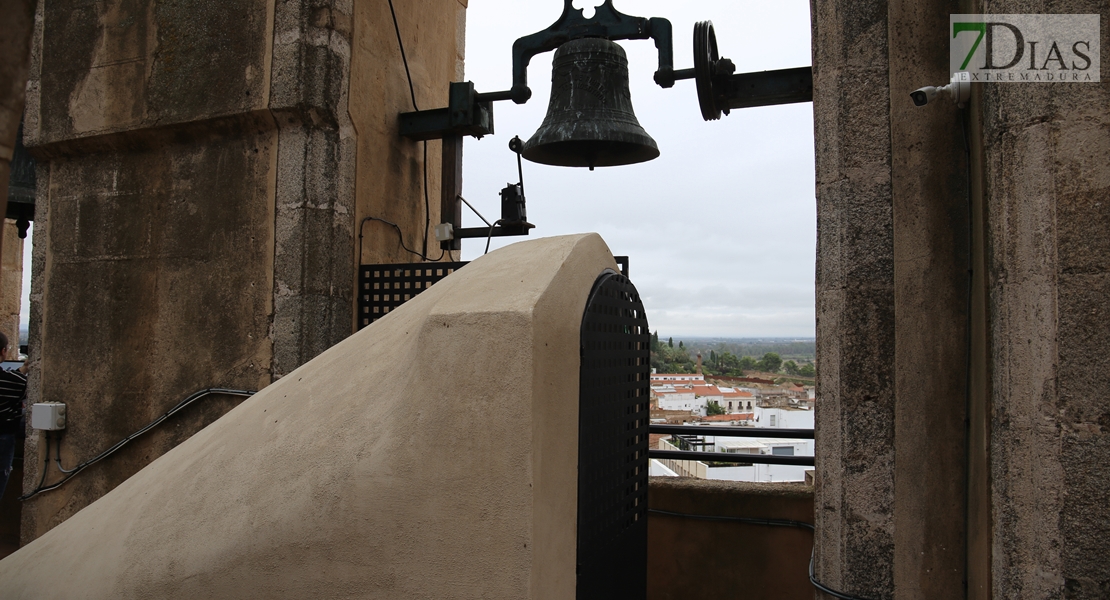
[(705, 57), (708, 66)]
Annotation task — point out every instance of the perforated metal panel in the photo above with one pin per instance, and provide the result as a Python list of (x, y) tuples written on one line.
[(382, 288), (613, 443)]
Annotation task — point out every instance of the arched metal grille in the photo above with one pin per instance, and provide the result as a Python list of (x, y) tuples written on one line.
[(613, 421)]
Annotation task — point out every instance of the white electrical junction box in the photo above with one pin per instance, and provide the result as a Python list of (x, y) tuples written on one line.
[(48, 416)]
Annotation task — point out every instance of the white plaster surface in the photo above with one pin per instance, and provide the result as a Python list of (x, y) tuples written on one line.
[(430, 455)]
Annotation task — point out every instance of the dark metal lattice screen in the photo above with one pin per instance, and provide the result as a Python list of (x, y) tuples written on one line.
[(382, 288), (613, 443)]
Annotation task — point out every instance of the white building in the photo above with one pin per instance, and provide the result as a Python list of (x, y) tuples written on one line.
[(708, 393), (777, 418), (785, 418), (692, 378), (735, 400), (679, 398)]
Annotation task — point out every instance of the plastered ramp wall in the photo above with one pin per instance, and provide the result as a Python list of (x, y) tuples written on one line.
[(431, 455)]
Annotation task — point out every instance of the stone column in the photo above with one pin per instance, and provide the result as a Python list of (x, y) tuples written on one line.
[(1046, 176), (930, 485), (196, 205), (11, 284), (314, 209), (854, 496), (892, 284), (15, 50), (929, 154)]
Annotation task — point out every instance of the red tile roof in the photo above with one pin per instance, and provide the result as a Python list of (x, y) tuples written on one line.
[(728, 418)]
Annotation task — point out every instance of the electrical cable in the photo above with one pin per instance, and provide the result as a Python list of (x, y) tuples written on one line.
[(519, 169), (822, 587), (45, 466), (970, 304), (404, 59), (770, 523), (412, 94), (71, 473), (427, 205), (58, 459), (490, 236), (400, 237)]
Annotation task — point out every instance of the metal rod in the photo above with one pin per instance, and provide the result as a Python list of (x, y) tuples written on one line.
[(763, 459), (681, 74), (475, 210), (450, 209), (481, 232), (763, 432), (493, 96)]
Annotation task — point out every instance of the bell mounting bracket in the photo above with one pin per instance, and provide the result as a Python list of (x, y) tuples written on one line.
[(720, 90), (467, 113), (607, 23)]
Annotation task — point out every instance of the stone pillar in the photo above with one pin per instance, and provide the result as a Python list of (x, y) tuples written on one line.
[(963, 428), (854, 495), (892, 279), (930, 193), (15, 49), (196, 207), (1046, 179), (315, 162), (11, 284)]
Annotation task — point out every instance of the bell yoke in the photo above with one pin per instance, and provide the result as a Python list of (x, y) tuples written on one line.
[(590, 121)]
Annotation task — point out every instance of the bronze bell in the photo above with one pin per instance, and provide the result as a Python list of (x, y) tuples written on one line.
[(590, 122)]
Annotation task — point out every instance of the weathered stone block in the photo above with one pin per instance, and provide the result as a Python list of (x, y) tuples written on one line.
[(109, 67)]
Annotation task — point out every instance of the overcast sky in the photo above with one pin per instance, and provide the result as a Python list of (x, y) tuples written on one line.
[(721, 228)]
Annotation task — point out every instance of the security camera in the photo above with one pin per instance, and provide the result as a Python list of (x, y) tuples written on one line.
[(958, 89), (923, 96)]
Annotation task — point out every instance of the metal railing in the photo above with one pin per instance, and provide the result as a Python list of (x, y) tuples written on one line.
[(728, 457)]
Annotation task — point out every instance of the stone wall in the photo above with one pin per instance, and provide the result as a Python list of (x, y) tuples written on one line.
[(15, 49), (378, 80), (1046, 180), (962, 429), (854, 496), (11, 284), (929, 196), (691, 558), (198, 168)]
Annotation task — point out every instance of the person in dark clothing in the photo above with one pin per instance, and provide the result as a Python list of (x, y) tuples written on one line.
[(13, 388)]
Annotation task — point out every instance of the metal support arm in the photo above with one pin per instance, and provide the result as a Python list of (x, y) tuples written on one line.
[(467, 113), (768, 88), (504, 230)]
